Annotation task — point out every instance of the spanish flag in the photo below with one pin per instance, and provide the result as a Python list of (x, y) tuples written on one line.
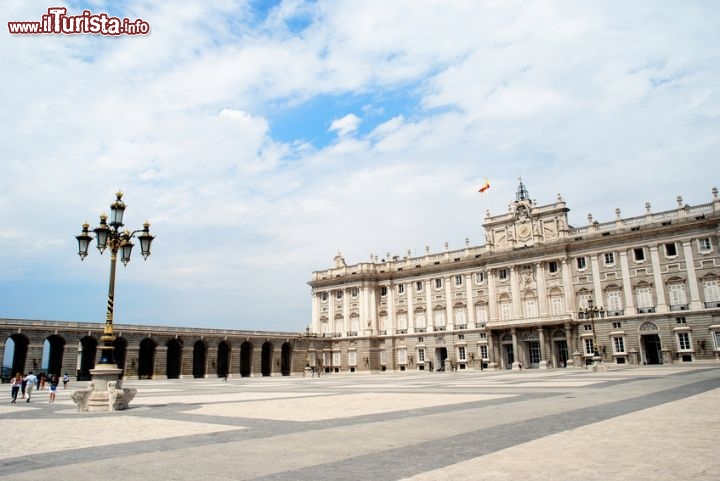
[(485, 186)]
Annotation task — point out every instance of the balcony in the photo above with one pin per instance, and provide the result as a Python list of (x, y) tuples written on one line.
[(420, 329), (460, 327), (712, 304), (439, 328), (678, 307), (402, 331), (617, 312), (646, 310), (352, 334)]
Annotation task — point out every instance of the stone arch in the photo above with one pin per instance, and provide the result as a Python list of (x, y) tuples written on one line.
[(559, 334), (174, 358), (286, 359), (223, 359), (55, 353), (648, 327), (146, 363), (531, 335), (120, 354), (246, 355), (18, 343), (267, 358), (87, 352), (199, 359)]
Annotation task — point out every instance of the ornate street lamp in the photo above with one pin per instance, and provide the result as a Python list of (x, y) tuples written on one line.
[(111, 237), (592, 312)]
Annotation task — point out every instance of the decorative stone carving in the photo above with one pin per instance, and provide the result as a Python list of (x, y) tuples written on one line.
[(115, 397)]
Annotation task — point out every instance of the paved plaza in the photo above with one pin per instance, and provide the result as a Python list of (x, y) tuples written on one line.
[(654, 423)]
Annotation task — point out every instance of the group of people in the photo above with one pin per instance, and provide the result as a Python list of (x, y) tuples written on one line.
[(28, 383)]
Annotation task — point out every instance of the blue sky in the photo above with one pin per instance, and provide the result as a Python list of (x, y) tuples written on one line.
[(259, 138)]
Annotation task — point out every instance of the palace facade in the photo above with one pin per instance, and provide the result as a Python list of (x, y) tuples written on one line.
[(525, 298)]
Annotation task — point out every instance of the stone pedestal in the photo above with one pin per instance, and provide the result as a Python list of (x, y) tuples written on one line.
[(105, 392)]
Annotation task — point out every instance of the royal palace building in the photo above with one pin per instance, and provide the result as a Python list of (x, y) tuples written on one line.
[(538, 294)]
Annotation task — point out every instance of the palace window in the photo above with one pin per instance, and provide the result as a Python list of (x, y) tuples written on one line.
[(587, 327), (609, 258), (339, 294), (336, 358), (716, 339), (583, 300), (324, 296), (530, 308), (458, 280), (553, 267), (419, 286), (639, 254), (439, 317), (505, 311), (704, 245), (383, 291), (676, 293), (589, 348), (461, 353), (684, 342), (401, 289), (382, 322), (670, 249), (483, 352), (402, 355), (354, 292), (644, 297), (711, 288), (481, 313), (352, 358), (614, 303), (460, 316), (383, 357), (619, 345), (617, 325), (479, 277), (557, 305), (680, 320), (402, 321), (420, 320), (581, 263), (438, 283), (502, 274), (421, 355)]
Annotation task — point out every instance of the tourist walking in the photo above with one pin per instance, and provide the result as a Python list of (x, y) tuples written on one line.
[(15, 387), (54, 381), (66, 379), (30, 382), (42, 381)]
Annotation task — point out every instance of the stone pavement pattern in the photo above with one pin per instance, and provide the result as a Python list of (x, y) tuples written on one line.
[(659, 423)]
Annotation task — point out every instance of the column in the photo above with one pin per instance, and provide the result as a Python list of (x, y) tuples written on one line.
[(657, 276), (492, 296), (541, 289), (515, 292), (573, 354), (492, 364), (470, 304), (597, 287), (346, 312), (692, 277), (627, 287), (449, 320), (568, 290), (331, 311), (429, 318), (362, 302), (516, 351), (543, 359), (315, 321), (391, 326), (410, 308)]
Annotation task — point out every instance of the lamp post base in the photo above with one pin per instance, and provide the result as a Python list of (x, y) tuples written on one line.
[(105, 392)]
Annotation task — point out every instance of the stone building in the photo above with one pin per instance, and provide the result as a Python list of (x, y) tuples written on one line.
[(152, 352), (520, 299)]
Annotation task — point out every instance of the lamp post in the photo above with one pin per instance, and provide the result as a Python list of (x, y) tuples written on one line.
[(592, 312), (111, 237), (308, 369)]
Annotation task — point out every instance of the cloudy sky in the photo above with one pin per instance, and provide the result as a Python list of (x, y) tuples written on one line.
[(261, 137)]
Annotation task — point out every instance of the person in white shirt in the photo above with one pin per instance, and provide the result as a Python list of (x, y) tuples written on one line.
[(30, 383)]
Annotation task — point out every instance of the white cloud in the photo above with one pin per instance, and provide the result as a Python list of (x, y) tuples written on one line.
[(346, 124), (598, 103)]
